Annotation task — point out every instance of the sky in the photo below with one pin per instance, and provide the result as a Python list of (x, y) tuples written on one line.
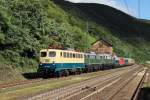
[(128, 6)]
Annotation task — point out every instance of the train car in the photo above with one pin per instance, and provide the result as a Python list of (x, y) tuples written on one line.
[(115, 61), (126, 61), (131, 61), (94, 62), (121, 61), (60, 61)]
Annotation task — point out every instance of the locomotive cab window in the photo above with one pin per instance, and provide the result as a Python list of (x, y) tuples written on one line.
[(43, 54), (52, 54)]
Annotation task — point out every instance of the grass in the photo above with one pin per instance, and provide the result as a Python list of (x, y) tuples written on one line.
[(37, 88)]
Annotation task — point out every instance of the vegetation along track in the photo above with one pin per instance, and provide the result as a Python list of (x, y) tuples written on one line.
[(82, 89)]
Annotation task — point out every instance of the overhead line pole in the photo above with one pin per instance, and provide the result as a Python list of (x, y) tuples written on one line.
[(87, 30)]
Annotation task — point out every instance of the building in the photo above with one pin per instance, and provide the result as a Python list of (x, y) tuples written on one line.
[(102, 46)]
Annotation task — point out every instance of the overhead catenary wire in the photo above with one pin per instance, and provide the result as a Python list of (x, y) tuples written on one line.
[(126, 5), (139, 9)]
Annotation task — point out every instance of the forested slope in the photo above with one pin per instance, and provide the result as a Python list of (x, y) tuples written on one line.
[(26, 26)]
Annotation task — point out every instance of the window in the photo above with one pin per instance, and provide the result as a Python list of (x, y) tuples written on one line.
[(67, 55), (78, 55), (61, 54), (81, 56), (64, 54), (43, 54), (70, 55), (73, 55), (103, 57), (52, 54)]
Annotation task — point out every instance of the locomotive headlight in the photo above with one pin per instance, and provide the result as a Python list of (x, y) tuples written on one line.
[(40, 64), (53, 62)]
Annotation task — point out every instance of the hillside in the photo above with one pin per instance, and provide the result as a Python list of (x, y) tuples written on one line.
[(130, 36), (26, 26)]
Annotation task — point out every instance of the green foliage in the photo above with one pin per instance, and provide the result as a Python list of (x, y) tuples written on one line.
[(26, 27)]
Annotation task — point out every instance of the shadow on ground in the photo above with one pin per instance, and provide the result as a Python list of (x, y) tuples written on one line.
[(144, 94), (33, 75)]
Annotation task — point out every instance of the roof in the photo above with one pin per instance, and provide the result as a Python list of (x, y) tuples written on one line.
[(104, 40)]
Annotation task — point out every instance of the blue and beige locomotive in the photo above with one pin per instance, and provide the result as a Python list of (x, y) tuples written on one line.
[(61, 62), (64, 62)]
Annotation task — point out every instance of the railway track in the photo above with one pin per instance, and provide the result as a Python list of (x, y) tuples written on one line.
[(86, 89), (29, 82), (124, 89), (19, 83), (101, 93)]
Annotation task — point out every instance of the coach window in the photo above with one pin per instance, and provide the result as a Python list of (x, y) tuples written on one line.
[(64, 54), (67, 55), (76, 55), (52, 54), (103, 57), (60, 54), (70, 55), (81, 55), (73, 55)]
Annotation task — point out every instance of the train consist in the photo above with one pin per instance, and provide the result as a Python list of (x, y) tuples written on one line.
[(64, 62)]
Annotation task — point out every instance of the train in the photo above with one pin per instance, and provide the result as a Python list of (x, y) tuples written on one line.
[(57, 62)]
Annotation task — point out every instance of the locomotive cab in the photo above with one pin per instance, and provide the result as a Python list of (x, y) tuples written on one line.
[(47, 60)]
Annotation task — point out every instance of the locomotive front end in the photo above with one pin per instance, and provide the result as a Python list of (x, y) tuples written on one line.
[(47, 61)]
